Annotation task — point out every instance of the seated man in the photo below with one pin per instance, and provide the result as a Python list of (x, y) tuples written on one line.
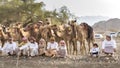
[(62, 52), (10, 47), (42, 46), (24, 46), (33, 47), (52, 48), (109, 46), (29, 48)]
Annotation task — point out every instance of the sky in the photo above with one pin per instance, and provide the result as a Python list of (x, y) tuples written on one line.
[(110, 8), (82, 8)]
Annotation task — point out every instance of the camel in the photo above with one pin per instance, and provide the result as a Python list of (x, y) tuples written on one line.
[(46, 32), (62, 33), (32, 30), (81, 37), (67, 37), (56, 32), (73, 40), (16, 34), (88, 35), (67, 33), (25, 32), (2, 36), (36, 32)]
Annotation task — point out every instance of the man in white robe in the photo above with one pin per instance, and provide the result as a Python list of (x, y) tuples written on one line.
[(23, 47), (52, 48), (109, 45), (30, 48), (10, 47)]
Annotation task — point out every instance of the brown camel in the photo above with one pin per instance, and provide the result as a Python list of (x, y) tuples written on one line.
[(33, 30), (81, 37), (88, 34)]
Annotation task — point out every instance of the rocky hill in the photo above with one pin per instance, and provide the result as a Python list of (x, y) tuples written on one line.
[(92, 19), (109, 25)]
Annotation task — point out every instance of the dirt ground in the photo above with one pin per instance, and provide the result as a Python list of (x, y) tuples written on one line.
[(69, 62)]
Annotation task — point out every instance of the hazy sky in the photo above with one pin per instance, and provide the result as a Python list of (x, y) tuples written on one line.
[(110, 8)]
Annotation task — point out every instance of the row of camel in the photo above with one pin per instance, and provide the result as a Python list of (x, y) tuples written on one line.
[(71, 33)]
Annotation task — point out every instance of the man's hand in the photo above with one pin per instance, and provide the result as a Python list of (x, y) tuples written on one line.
[(103, 50), (114, 50)]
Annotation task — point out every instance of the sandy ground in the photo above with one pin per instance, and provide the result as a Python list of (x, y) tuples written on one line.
[(69, 62)]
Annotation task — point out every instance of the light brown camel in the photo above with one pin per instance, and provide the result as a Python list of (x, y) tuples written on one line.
[(2, 36), (73, 40), (46, 32), (67, 33), (25, 32), (16, 34), (56, 32)]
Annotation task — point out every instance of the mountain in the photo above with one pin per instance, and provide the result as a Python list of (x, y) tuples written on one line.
[(109, 25), (91, 19)]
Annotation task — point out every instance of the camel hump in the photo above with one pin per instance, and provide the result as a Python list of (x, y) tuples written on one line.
[(90, 32)]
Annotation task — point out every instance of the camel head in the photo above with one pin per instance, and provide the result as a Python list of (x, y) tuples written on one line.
[(84, 26), (36, 26), (72, 22), (56, 30), (54, 27), (28, 27), (47, 21), (19, 25), (68, 30)]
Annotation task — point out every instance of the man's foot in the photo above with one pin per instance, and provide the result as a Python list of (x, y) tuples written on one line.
[(30, 57), (110, 55), (42, 54), (52, 56), (9, 54)]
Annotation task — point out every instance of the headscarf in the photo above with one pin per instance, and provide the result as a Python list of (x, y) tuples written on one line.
[(62, 42), (24, 38)]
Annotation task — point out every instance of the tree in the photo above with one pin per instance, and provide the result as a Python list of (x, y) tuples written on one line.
[(28, 11), (64, 14), (20, 10)]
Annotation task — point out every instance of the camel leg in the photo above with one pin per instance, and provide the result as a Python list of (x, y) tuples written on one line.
[(67, 46), (75, 44), (84, 47), (70, 47), (81, 48), (88, 46), (93, 41), (76, 48)]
